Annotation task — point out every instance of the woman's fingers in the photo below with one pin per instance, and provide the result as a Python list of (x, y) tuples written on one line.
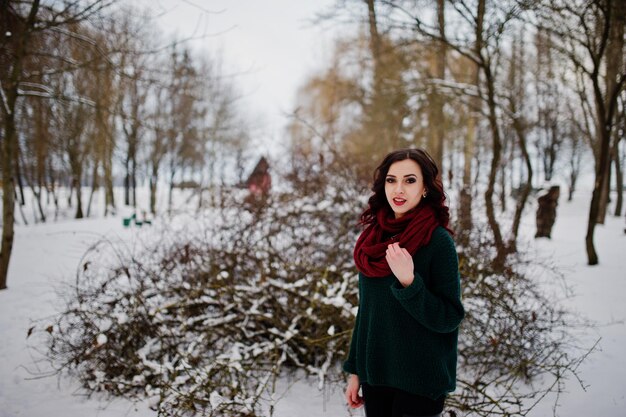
[(395, 251), (392, 249), (354, 400)]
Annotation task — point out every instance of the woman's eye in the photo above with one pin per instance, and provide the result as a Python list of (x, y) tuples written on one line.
[(411, 180), (390, 180)]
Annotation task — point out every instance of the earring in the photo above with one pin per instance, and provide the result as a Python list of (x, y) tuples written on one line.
[(424, 195)]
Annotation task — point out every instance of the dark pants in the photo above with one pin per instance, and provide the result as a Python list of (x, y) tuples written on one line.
[(392, 402)]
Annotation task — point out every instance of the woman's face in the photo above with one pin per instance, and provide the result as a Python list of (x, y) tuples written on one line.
[(404, 186)]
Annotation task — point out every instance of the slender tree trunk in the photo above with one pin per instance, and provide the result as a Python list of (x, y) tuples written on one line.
[(170, 195), (502, 177), (604, 137), (619, 177), (573, 176), (374, 38), (108, 180), (437, 123), (19, 176), (153, 188), (9, 145), (51, 189), (130, 163), (525, 190), (76, 179), (70, 196), (127, 181), (614, 64), (132, 168), (465, 195), (36, 193), (605, 190), (8, 185), (501, 251), (94, 185), (133, 179), (381, 139), (21, 209)]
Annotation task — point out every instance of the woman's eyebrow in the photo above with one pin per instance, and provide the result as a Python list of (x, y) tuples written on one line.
[(408, 175)]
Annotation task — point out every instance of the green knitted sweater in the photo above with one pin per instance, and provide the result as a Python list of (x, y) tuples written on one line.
[(407, 337)]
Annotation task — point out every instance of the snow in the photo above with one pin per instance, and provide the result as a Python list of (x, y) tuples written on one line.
[(46, 256)]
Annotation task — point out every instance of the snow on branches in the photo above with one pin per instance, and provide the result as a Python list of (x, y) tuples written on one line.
[(204, 318), (204, 322)]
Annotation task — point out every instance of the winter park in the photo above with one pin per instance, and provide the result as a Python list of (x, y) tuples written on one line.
[(187, 186)]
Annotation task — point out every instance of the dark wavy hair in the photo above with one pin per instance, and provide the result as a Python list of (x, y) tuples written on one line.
[(435, 196)]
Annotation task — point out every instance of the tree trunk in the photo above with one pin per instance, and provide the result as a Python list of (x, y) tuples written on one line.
[(502, 177), (127, 181), (18, 176), (133, 178), (36, 193), (573, 178), (109, 199), (130, 163), (525, 190), (76, 180), (380, 138), (9, 145), (170, 195), (70, 203), (153, 188), (501, 251), (437, 123), (574, 168), (614, 63), (606, 103), (619, 177), (465, 196), (374, 38), (94, 185), (605, 190), (603, 160)]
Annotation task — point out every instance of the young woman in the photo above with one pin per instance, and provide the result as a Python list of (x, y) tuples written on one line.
[(404, 343)]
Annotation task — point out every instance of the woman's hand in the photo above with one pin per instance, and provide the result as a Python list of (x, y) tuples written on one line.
[(352, 392), (401, 263)]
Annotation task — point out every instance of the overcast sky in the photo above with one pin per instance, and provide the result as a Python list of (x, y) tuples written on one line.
[(273, 44)]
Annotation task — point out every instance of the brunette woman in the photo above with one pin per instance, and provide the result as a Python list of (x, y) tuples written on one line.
[(404, 343)]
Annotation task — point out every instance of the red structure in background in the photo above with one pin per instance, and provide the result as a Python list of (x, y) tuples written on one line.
[(260, 181)]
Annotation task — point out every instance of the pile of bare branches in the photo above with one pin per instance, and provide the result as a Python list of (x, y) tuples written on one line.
[(517, 343), (205, 321)]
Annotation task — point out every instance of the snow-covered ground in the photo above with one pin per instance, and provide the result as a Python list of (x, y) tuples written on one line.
[(46, 255)]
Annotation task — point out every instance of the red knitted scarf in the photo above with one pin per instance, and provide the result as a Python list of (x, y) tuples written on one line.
[(412, 231)]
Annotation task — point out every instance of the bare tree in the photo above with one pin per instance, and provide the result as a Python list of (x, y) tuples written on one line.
[(549, 131), (590, 33), (484, 50), (517, 103), (22, 22), (19, 30)]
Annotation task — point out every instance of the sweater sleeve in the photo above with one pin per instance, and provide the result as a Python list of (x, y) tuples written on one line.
[(350, 364), (439, 307)]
